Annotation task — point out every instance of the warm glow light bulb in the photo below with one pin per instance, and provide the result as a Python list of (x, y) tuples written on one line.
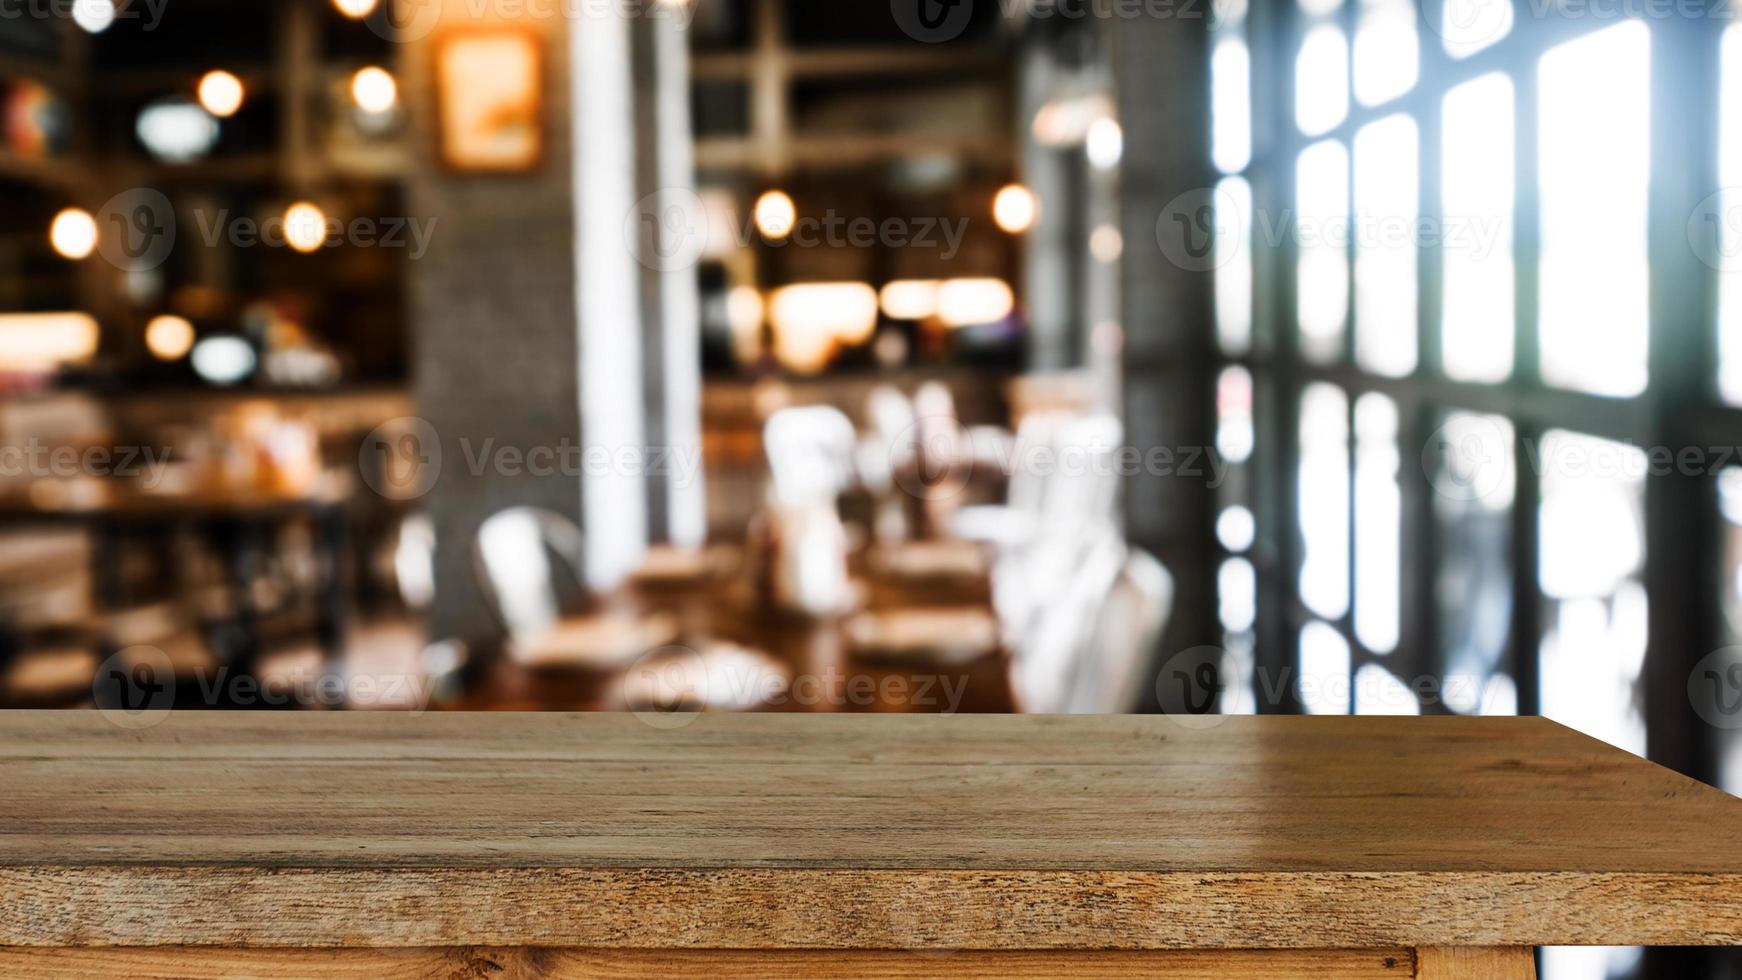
[(305, 226), (356, 9), (1014, 208), (373, 89), (775, 214), (73, 233), (169, 337), (220, 93), (1104, 143), (93, 16)]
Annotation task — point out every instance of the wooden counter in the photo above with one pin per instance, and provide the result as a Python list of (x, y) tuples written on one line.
[(390, 845)]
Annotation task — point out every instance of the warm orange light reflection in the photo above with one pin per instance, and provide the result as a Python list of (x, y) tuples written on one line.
[(373, 89), (775, 214), (909, 299), (967, 302), (220, 93), (43, 341), (169, 337), (1015, 209), (73, 233), (812, 320), (305, 226)]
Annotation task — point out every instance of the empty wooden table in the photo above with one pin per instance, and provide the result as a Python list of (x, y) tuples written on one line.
[(374, 844)]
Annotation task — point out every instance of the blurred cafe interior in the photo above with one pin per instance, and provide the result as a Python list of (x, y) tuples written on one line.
[(1327, 356)]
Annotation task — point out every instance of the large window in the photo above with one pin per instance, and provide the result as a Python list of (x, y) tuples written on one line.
[(1481, 356)]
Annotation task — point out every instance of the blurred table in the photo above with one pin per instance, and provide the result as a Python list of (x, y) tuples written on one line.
[(716, 602), (584, 845), (237, 522)]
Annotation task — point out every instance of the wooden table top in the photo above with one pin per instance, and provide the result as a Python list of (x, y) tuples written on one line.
[(763, 831)]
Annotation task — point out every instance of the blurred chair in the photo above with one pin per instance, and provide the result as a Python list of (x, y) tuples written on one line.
[(1059, 626), (1014, 522), (512, 558), (940, 467), (810, 453), (1116, 671), (1060, 513), (803, 546), (414, 562), (397, 646), (528, 566), (887, 448), (1091, 652), (528, 563)]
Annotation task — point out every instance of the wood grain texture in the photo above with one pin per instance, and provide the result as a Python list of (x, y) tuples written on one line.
[(173, 963), (839, 831), (1474, 963)]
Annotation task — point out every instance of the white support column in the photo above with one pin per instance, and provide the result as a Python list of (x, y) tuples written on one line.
[(680, 299), (613, 501)]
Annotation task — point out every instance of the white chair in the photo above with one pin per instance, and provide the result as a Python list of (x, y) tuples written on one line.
[(1117, 669), (887, 447), (810, 453), (520, 558), (1073, 514)]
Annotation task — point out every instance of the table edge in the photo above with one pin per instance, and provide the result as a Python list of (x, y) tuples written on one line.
[(755, 908)]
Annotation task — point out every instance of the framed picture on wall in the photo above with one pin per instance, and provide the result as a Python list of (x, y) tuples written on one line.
[(490, 99)]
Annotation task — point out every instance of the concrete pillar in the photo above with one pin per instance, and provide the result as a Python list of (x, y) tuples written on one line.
[(1162, 77), (492, 312)]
